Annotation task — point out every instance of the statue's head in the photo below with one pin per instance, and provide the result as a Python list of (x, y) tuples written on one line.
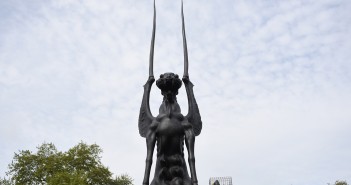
[(169, 83)]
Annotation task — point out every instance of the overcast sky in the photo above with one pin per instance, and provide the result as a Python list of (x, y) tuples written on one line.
[(272, 80)]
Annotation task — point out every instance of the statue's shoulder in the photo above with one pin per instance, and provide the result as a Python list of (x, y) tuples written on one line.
[(154, 125)]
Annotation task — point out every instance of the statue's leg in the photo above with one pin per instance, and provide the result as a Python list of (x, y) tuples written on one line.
[(150, 143), (190, 144)]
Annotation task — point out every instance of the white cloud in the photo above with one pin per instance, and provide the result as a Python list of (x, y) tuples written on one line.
[(271, 78)]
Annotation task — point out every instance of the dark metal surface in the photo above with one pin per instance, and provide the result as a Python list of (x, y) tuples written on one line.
[(185, 47), (152, 47), (169, 130)]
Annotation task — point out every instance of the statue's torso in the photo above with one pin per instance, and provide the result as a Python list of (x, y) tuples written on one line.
[(170, 134), (170, 164)]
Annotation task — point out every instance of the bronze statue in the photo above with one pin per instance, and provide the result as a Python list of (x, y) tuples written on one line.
[(170, 129)]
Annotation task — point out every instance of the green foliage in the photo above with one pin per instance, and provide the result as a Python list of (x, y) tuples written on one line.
[(80, 165), (122, 180), (340, 183), (5, 182)]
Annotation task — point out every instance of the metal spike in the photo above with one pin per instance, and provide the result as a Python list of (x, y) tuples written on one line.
[(185, 47), (152, 48)]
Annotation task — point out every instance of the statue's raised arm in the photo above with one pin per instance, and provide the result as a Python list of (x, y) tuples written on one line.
[(145, 116)]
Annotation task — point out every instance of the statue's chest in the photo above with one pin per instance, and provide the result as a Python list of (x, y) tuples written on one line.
[(169, 127)]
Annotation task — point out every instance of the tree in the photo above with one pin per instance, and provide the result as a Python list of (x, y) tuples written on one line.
[(340, 183), (80, 165), (5, 181)]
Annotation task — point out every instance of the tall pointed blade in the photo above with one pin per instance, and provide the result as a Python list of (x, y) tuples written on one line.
[(185, 47), (152, 48)]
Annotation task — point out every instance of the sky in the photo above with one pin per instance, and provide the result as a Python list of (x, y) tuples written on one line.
[(272, 81)]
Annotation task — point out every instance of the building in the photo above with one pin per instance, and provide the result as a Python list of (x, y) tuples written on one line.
[(221, 180)]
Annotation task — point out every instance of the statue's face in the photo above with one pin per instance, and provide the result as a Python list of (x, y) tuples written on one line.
[(169, 83), (169, 95)]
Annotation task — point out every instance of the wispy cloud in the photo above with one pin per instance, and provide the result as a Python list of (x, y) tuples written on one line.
[(271, 78)]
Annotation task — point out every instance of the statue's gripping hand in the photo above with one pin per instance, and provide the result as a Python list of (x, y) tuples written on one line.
[(151, 80), (186, 79)]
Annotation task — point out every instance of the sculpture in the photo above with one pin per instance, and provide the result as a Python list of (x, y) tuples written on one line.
[(170, 129)]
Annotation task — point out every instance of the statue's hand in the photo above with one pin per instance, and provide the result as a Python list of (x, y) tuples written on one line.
[(150, 80), (186, 79)]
